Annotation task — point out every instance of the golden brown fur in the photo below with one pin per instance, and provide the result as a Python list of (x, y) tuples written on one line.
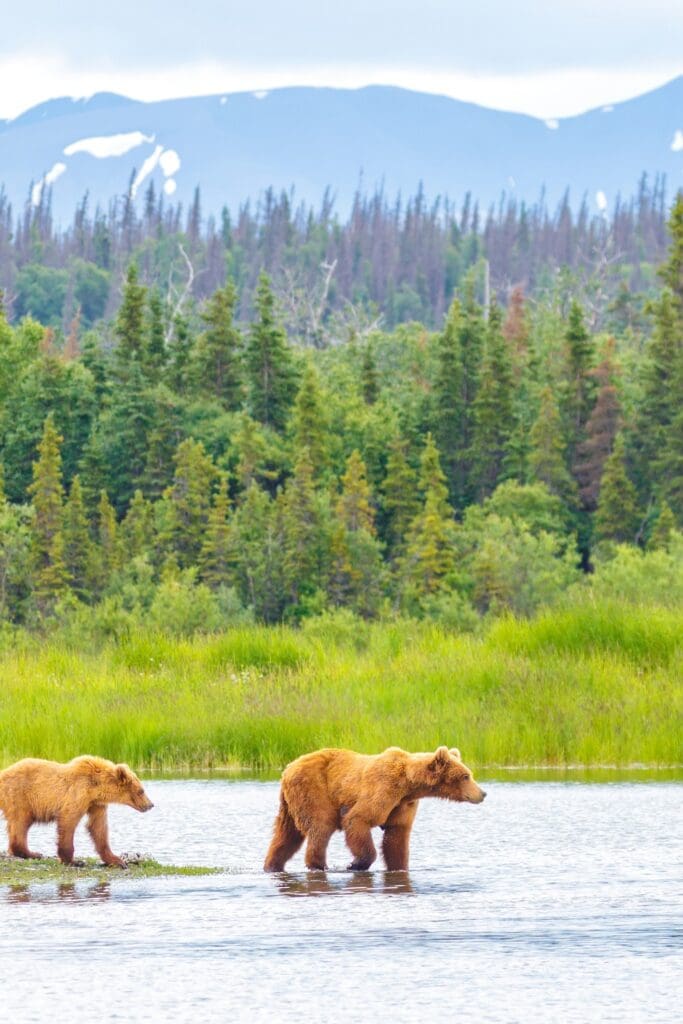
[(35, 790), (330, 790)]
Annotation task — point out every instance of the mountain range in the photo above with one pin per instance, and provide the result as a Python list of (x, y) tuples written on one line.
[(234, 146)]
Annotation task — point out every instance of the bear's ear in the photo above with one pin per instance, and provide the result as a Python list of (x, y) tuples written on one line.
[(456, 753), (440, 759), (122, 773)]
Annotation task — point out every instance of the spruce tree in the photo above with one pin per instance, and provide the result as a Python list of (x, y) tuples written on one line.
[(369, 379), (580, 384), (548, 447), (258, 555), (130, 320), (672, 271), (219, 350), (660, 537), (309, 421), (46, 491), (601, 429), (354, 508), (189, 500), (137, 528), (154, 353), (400, 497), (78, 546), (109, 554), (270, 372), (616, 518), (217, 555), (494, 423), (305, 540), (449, 404)]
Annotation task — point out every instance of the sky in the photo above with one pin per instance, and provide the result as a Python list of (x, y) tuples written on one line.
[(548, 58)]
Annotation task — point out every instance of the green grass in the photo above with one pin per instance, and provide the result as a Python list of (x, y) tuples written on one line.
[(594, 686), (15, 872)]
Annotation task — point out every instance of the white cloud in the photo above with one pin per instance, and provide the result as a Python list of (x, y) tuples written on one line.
[(102, 146)]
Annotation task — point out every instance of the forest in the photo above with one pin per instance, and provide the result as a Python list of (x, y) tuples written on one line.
[(192, 462)]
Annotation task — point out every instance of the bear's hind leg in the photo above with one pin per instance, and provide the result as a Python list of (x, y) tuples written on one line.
[(316, 846), (396, 841), (359, 841), (287, 839), (17, 831), (99, 833), (66, 826)]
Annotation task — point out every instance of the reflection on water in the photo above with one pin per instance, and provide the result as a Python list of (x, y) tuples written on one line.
[(73, 892), (550, 902), (322, 883)]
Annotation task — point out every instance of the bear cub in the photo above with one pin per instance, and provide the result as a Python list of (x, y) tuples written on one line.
[(34, 790)]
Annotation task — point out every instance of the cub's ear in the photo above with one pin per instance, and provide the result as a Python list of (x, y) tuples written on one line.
[(441, 758), (122, 773), (456, 753)]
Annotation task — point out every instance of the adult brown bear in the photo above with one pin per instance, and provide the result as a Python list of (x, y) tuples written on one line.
[(35, 790), (330, 790)]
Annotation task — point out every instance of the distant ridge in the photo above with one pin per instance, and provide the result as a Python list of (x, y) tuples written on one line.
[(236, 145)]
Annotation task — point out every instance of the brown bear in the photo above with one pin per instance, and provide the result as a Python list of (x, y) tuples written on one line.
[(330, 790), (35, 790)]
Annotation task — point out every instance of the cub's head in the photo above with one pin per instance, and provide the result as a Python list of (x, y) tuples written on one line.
[(447, 777), (130, 789)]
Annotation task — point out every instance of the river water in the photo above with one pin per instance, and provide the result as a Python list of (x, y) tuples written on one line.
[(551, 902)]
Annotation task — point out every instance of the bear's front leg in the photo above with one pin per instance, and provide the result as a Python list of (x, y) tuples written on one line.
[(396, 840), (99, 833), (359, 841)]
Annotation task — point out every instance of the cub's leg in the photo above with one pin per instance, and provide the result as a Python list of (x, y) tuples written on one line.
[(359, 841), (316, 845), (396, 840), (66, 826), (99, 833), (17, 831)]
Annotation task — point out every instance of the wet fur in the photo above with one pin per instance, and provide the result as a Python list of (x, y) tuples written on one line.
[(34, 790), (332, 790)]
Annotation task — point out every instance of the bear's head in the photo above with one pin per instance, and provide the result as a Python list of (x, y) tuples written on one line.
[(447, 777), (131, 790), (114, 783)]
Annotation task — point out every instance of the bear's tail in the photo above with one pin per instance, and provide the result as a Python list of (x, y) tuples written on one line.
[(286, 839)]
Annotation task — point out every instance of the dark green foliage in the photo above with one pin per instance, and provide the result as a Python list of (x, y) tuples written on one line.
[(271, 377), (219, 350), (617, 516), (494, 424)]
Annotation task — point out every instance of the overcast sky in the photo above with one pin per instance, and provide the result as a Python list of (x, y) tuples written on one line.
[(550, 58)]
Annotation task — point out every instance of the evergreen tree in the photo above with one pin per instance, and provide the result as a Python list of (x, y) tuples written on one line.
[(660, 537), (310, 421), (616, 518), (109, 555), (46, 491), (258, 555), (548, 447), (270, 371), (449, 406), (369, 379), (217, 554), (672, 271), (137, 528), (354, 508), (130, 321), (580, 384), (400, 497), (78, 546), (494, 424), (155, 348), (219, 350), (305, 540), (189, 500)]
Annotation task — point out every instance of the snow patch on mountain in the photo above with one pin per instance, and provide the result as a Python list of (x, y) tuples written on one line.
[(552, 123), (146, 169), (601, 201), (102, 146), (55, 172), (677, 144), (170, 186), (169, 161), (260, 94)]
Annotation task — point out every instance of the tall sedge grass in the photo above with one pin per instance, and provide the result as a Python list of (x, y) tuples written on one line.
[(588, 686)]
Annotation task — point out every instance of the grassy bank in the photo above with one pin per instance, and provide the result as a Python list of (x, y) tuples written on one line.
[(584, 686), (14, 872)]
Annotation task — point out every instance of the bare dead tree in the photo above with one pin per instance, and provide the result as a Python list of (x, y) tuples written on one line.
[(175, 298)]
